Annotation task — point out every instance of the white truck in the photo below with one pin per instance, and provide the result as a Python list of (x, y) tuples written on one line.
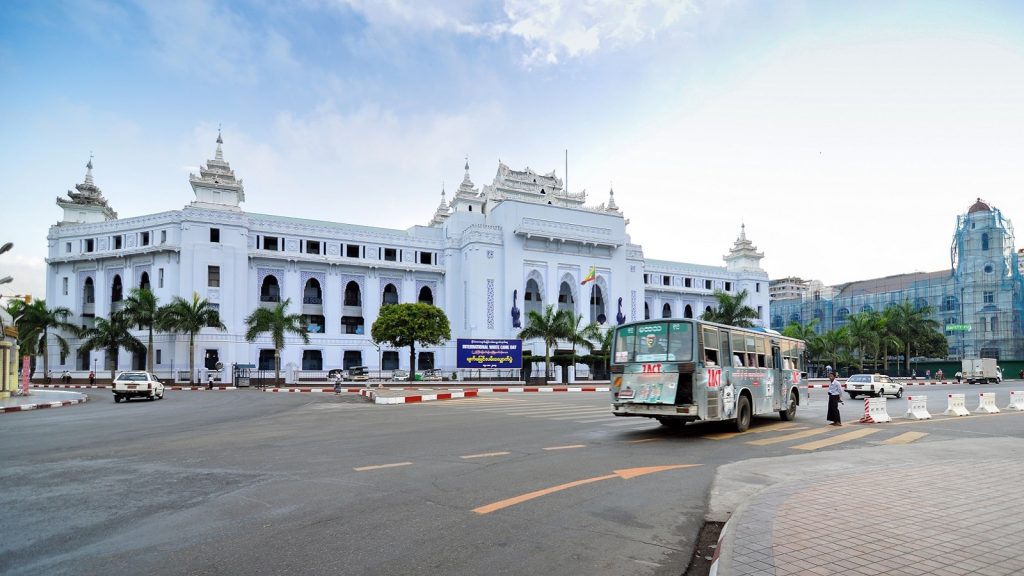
[(981, 370)]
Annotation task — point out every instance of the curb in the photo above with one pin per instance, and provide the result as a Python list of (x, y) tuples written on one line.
[(199, 388), (42, 405), (68, 386), (324, 390)]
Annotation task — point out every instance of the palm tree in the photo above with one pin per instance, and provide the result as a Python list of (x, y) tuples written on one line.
[(35, 321), (183, 316), (731, 310), (110, 335), (549, 327), (809, 334), (834, 344), (579, 335), (140, 309), (863, 335), (910, 326), (276, 321)]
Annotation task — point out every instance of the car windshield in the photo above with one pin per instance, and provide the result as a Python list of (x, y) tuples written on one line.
[(859, 378)]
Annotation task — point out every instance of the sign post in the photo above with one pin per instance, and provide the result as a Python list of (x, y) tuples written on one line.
[(24, 375)]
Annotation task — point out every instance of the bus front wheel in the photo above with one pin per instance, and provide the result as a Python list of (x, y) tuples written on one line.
[(790, 412), (743, 414)]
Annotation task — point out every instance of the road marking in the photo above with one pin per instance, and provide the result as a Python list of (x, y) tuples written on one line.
[(759, 429), (550, 410), (626, 474), (838, 439), (379, 466), (906, 438), (485, 455), (642, 440), (565, 447), (788, 437)]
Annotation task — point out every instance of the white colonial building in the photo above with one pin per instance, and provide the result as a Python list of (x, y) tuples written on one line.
[(521, 242)]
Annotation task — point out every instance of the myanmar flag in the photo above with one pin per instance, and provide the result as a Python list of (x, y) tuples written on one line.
[(591, 276)]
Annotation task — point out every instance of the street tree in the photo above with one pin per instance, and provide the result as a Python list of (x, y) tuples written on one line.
[(579, 334), (409, 324), (731, 310), (36, 322), (183, 316), (276, 322), (140, 309), (912, 326), (548, 327), (110, 335)]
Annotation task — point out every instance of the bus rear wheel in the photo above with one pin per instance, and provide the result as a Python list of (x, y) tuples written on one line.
[(790, 412), (743, 414)]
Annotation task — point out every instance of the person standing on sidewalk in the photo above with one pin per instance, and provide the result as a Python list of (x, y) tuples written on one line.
[(835, 398)]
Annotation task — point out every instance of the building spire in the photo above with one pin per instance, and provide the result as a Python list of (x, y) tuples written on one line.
[(220, 153), (88, 171), (612, 207)]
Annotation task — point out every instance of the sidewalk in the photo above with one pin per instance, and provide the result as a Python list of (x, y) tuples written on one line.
[(39, 399), (940, 508)]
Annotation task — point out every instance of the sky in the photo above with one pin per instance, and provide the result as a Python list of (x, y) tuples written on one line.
[(845, 136)]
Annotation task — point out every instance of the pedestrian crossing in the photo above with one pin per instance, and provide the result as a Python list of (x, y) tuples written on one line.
[(792, 435)]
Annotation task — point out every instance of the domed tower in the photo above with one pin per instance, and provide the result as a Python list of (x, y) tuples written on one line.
[(988, 281)]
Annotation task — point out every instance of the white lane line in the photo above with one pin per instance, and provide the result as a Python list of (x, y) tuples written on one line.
[(586, 414), (552, 410), (379, 466), (484, 455), (565, 447)]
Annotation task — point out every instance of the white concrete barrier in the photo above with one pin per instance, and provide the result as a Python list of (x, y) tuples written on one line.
[(1016, 401), (917, 408), (874, 411), (957, 405), (986, 403)]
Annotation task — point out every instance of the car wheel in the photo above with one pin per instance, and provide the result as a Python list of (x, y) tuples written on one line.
[(117, 399), (879, 393), (672, 423), (853, 396), (743, 414), (790, 412), (899, 392)]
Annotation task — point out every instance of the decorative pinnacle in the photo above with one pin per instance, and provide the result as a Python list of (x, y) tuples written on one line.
[(220, 153), (88, 171)]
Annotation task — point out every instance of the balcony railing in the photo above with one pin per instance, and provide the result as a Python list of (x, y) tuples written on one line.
[(269, 298), (312, 300)]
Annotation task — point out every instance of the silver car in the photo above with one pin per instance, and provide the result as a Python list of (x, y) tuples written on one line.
[(873, 385)]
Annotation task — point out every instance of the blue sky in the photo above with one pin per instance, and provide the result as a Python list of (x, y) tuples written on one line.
[(846, 136)]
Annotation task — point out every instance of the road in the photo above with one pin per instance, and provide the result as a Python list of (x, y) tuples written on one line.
[(258, 483)]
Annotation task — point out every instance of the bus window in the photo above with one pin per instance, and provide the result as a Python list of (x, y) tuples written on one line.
[(625, 344), (652, 342), (680, 342), (710, 346), (724, 352), (761, 358)]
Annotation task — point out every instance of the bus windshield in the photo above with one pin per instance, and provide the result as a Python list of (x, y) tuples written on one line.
[(655, 342)]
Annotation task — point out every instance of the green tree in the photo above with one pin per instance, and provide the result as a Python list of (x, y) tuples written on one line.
[(189, 317), (834, 345), (549, 327), (912, 327), (731, 310), (862, 331), (579, 334), (809, 334), (110, 335), (277, 322), (401, 325), (35, 322), (140, 309)]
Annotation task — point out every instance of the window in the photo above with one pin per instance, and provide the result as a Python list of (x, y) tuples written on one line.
[(760, 311), (145, 239), (707, 284), (67, 247), (117, 242), (213, 276), (214, 234), (426, 296), (160, 277), (425, 361), (312, 247), (89, 293), (688, 282), (995, 325), (728, 286), (270, 243), (426, 257), (666, 280), (988, 268), (163, 236), (989, 298), (89, 245), (984, 241), (666, 310), (116, 289), (159, 356), (390, 295), (351, 359), (312, 360), (389, 360), (64, 285), (757, 287), (390, 254), (352, 250), (710, 341), (266, 361), (352, 296)]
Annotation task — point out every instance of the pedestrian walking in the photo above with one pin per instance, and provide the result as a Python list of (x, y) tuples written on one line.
[(938, 374), (92, 377), (958, 376), (835, 398), (928, 374), (209, 381), (337, 384)]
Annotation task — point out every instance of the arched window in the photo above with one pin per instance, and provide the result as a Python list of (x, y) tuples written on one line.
[(708, 309), (920, 303), (647, 311), (532, 298), (794, 317), (949, 304), (352, 295), (819, 314), (89, 292), (866, 308), (312, 294), (426, 296), (565, 299), (842, 314), (597, 305), (688, 312), (984, 240), (270, 291), (144, 282), (666, 310), (390, 295), (116, 289)]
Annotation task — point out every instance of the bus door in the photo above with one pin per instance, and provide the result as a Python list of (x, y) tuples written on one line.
[(778, 376)]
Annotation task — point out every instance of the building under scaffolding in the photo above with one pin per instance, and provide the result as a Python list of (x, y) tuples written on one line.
[(979, 300)]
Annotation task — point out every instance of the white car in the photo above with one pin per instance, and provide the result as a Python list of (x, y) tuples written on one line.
[(399, 375), (137, 384), (874, 385)]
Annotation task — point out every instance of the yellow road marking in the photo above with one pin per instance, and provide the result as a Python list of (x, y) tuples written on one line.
[(379, 466), (906, 438), (768, 428), (838, 439), (788, 437), (565, 447), (626, 474), (485, 455), (642, 440)]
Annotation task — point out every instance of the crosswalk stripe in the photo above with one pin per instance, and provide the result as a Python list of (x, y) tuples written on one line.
[(548, 410), (630, 422), (757, 430), (906, 438), (604, 411), (837, 439), (788, 437), (592, 420)]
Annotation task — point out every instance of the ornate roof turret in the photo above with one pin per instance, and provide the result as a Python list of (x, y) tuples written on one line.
[(611, 207), (216, 183), (979, 206), (442, 213), (529, 186), (743, 256), (87, 203), (467, 188)]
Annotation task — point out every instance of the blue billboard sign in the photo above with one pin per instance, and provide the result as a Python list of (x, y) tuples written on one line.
[(488, 353)]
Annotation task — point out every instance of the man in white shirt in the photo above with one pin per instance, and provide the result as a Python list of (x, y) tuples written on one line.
[(835, 395)]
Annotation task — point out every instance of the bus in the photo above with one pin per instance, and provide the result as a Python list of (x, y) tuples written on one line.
[(684, 370)]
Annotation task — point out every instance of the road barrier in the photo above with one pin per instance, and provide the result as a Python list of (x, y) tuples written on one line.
[(957, 405), (1016, 401), (874, 411), (917, 408), (986, 403)]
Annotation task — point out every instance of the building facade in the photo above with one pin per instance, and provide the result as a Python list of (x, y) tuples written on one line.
[(487, 258), (979, 300)]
